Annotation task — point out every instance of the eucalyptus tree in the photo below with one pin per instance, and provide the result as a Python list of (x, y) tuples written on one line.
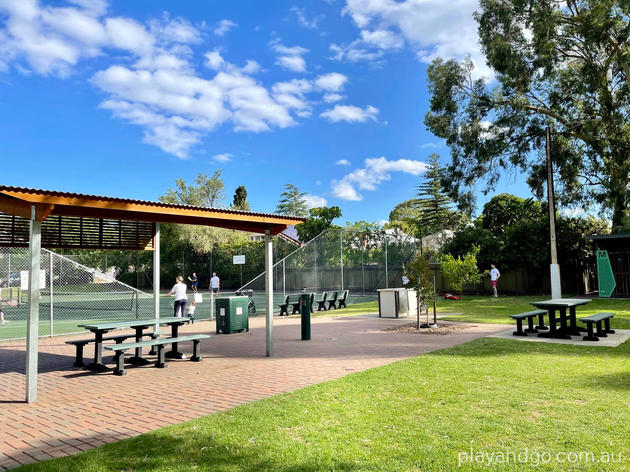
[(562, 64)]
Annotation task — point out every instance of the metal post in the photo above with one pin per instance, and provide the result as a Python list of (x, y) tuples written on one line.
[(32, 332), (386, 268), (284, 278), (52, 296), (156, 277), (269, 291), (9, 282), (363, 241), (556, 288), (341, 255), (316, 277)]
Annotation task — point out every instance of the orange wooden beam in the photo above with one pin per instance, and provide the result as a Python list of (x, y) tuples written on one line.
[(102, 208), (18, 207)]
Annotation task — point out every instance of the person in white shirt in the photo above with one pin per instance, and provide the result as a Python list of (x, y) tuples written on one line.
[(191, 311), (494, 278), (179, 290), (215, 284)]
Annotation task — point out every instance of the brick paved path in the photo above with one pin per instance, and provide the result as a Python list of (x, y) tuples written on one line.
[(78, 410)]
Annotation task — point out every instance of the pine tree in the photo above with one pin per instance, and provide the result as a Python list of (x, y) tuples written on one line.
[(239, 202), (434, 206), (292, 202)]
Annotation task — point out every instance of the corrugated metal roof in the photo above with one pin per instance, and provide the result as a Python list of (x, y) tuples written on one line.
[(55, 193)]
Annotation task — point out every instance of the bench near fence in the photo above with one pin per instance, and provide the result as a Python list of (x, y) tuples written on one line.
[(160, 343)]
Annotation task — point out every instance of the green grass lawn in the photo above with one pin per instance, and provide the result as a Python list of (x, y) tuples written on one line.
[(422, 414), (485, 309)]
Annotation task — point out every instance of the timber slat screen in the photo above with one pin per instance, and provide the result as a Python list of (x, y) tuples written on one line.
[(75, 232)]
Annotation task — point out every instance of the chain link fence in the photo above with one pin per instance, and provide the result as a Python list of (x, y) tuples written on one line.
[(358, 261), (70, 293)]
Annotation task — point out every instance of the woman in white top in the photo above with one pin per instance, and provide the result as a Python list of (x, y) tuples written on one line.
[(179, 290)]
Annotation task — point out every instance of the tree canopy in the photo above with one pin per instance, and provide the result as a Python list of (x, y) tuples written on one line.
[(319, 220), (239, 201), (558, 64), (292, 202)]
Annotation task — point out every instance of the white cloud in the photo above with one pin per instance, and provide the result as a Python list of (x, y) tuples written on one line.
[(293, 63), (430, 145), (224, 157), (149, 78), (345, 191), (304, 20), (374, 172), (214, 60), (382, 39), (251, 67), (289, 57), (433, 28), (333, 82), (313, 201), (176, 30), (350, 114), (343, 162), (223, 27), (128, 34), (292, 95), (333, 97)]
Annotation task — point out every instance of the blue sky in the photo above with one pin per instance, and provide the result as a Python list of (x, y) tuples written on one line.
[(121, 98)]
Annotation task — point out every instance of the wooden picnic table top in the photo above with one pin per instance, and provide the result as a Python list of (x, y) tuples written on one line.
[(133, 323), (561, 302)]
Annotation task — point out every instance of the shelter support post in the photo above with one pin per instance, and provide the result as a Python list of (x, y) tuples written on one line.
[(269, 292), (156, 276), (32, 342)]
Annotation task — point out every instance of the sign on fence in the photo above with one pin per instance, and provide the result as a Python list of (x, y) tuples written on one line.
[(238, 259), (24, 279)]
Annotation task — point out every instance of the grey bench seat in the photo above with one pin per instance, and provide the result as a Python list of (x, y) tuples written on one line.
[(597, 319), (160, 343), (80, 343), (529, 315)]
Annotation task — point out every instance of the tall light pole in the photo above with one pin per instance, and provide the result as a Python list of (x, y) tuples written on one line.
[(556, 290)]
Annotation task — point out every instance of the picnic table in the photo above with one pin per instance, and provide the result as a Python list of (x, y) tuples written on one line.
[(99, 329), (561, 305)]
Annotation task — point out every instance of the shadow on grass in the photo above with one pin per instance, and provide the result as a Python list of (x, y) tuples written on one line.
[(167, 451), (614, 381)]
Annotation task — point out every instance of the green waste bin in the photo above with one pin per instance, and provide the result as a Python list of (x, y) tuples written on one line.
[(231, 314), (305, 315)]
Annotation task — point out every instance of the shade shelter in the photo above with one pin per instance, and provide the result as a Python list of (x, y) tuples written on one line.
[(36, 218)]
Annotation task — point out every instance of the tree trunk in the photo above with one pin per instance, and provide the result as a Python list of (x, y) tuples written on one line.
[(620, 210)]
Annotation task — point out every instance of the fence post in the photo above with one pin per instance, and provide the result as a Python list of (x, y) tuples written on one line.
[(284, 279), (52, 317), (386, 268), (341, 255)]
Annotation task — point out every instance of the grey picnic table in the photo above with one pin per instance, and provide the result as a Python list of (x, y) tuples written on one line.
[(561, 305), (99, 329)]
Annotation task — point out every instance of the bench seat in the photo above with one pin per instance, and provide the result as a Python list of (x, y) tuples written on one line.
[(597, 319), (120, 349), (529, 315), (80, 343)]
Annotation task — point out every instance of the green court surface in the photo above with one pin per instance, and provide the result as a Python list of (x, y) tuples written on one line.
[(75, 308)]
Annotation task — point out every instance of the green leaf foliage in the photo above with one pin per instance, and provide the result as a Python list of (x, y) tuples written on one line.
[(460, 271), (559, 64), (319, 220), (292, 202)]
